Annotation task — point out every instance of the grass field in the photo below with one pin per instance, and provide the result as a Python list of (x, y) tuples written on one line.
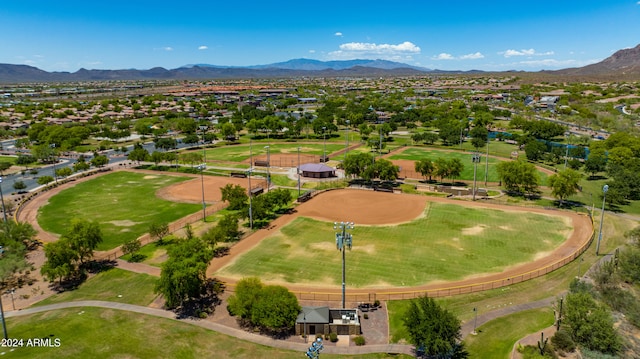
[(547, 286), (416, 153), (239, 153), (123, 203), (107, 333), (114, 285), (446, 244), (496, 338)]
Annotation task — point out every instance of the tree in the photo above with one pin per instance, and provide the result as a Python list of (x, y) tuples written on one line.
[(386, 170), (236, 195), (99, 160), (479, 136), (158, 230), (4, 166), (64, 172), (433, 329), (564, 184), (245, 296), (60, 261), (83, 237), (15, 238), (518, 176), (183, 276), (590, 323), (276, 309), (157, 157), (44, 180), (81, 165), (596, 162), (19, 185), (130, 247), (534, 150), (165, 143), (271, 307), (138, 154), (356, 163), (425, 167)]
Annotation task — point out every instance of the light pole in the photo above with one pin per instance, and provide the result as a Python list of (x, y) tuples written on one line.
[(4, 212), (604, 199), (475, 159), (249, 177), (13, 303), (475, 321), (344, 241), (346, 150), (566, 155), (304, 314), (486, 169), (4, 325), (579, 262), (298, 171), (324, 148), (55, 176), (268, 165), (202, 167)]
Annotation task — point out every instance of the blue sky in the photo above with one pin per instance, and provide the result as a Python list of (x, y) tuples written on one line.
[(446, 34)]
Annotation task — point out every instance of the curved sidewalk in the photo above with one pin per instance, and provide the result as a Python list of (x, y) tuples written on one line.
[(240, 334)]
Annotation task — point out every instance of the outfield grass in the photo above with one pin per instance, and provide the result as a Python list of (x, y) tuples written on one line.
[(108, 333), (417, 153), (123, 203), (114, 285), (239, 153), (496, 338), (549, 285), (447, 244)]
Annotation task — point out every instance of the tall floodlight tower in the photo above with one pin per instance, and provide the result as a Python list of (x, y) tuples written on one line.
[(344, 241)]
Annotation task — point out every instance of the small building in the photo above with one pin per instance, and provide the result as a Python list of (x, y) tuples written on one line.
[(322, 320), (317, 170)]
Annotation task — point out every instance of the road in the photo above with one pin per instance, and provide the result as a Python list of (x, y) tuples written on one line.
[(31, 180)]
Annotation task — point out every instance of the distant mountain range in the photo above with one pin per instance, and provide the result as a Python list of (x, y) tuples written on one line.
[(623, 63)]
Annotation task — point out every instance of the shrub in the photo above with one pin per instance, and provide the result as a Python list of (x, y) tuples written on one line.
[(562, 340), (376, 303), (333, 337), (359, 340), (366, 316), (326, 336)]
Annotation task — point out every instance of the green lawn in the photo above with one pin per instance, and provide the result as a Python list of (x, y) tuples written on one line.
[(550, 285), (239, 153), (446, 244), (114, 285), (416, 153), (123, 203), (496, 338), (108, 333)]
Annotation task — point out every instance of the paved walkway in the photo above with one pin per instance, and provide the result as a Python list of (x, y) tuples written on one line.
[(238, 333), (483, 318)]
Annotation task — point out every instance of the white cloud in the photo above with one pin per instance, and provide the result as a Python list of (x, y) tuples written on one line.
[(526, 52), (338, 34), (473, 56), (312, 51), (203, 47), (167, 48), (353, 50), (444, 56)]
